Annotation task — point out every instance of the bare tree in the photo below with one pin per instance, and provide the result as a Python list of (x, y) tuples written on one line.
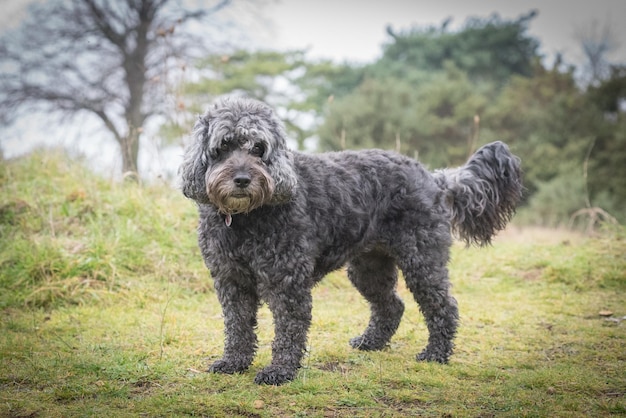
[(597, 42), (106, 58)]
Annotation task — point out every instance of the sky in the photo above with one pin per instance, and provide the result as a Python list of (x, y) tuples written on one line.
[(341, 30), (354, 30)]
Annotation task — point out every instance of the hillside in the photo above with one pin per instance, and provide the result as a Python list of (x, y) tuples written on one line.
[(107, 310)]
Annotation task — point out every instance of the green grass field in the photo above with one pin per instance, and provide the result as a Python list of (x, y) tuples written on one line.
[(107, 310)]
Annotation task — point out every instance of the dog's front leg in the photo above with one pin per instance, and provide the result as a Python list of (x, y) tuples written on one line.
[(291, 309), (239, 307)]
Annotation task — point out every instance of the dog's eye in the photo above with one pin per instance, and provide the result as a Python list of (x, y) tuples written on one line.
[(258, 149), (222, 149)]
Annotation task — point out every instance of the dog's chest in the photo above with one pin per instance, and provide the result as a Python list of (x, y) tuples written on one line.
[(251, 243)]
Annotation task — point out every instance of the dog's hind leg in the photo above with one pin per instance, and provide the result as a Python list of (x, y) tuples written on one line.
[(426, 276), (375, 276)]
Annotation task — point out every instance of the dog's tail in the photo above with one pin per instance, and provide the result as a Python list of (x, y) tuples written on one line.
[(482, 194)]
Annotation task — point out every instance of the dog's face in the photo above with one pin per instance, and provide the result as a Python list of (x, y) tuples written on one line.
[(238, 181), (238, 159)]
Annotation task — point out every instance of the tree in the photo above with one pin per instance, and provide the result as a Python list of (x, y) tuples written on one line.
[(108, 59), (596, 43), (547, 120), (429, 90), (263, 75), (571, 141), (491, 49), (298, 87), (606, 171), (438, 119)]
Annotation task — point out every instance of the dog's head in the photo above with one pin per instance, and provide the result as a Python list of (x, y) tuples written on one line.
[(238, 160)]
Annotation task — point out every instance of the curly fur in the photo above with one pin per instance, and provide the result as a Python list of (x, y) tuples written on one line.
[(274, 222)]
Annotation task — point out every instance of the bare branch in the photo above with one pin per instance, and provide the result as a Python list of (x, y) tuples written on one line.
[(103, 22), (597, 41), (108, 58)]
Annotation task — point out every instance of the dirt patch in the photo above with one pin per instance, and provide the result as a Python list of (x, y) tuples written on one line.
[(334, 366), (532, 275), (538, 235)]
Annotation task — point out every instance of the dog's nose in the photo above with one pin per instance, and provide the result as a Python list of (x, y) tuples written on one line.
[(242, 180)]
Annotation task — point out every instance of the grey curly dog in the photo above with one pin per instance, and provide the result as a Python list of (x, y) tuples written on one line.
[(274, 222)]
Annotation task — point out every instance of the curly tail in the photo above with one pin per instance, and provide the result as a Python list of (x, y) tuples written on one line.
[(482, 194)]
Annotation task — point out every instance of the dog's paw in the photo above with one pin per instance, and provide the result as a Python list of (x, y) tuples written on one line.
[(365, 344), (227, 367), (275, 375), (427, 355)]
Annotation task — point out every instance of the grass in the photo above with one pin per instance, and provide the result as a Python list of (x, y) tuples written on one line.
[(107, 310)]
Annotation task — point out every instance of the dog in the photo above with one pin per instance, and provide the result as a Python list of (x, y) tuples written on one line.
[(274, 222)]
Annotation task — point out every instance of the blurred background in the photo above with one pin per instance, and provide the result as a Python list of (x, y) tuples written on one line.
[(120, 83)]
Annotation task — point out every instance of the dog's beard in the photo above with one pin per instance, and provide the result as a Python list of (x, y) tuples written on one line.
[(233, 205), (231, 200)]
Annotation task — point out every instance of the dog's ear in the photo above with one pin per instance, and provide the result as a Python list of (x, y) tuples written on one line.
[(195, 164), (285, 179), (278, 159)]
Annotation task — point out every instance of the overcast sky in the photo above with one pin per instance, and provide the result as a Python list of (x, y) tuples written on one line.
[(355, 29)]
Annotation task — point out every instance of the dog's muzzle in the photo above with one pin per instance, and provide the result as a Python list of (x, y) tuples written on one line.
[(239, 185)]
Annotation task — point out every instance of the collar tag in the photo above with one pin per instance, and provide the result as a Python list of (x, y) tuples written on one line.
[(228, 220)]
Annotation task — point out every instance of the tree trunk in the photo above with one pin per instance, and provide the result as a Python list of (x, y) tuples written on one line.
[(135, 69), (129, 146)]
